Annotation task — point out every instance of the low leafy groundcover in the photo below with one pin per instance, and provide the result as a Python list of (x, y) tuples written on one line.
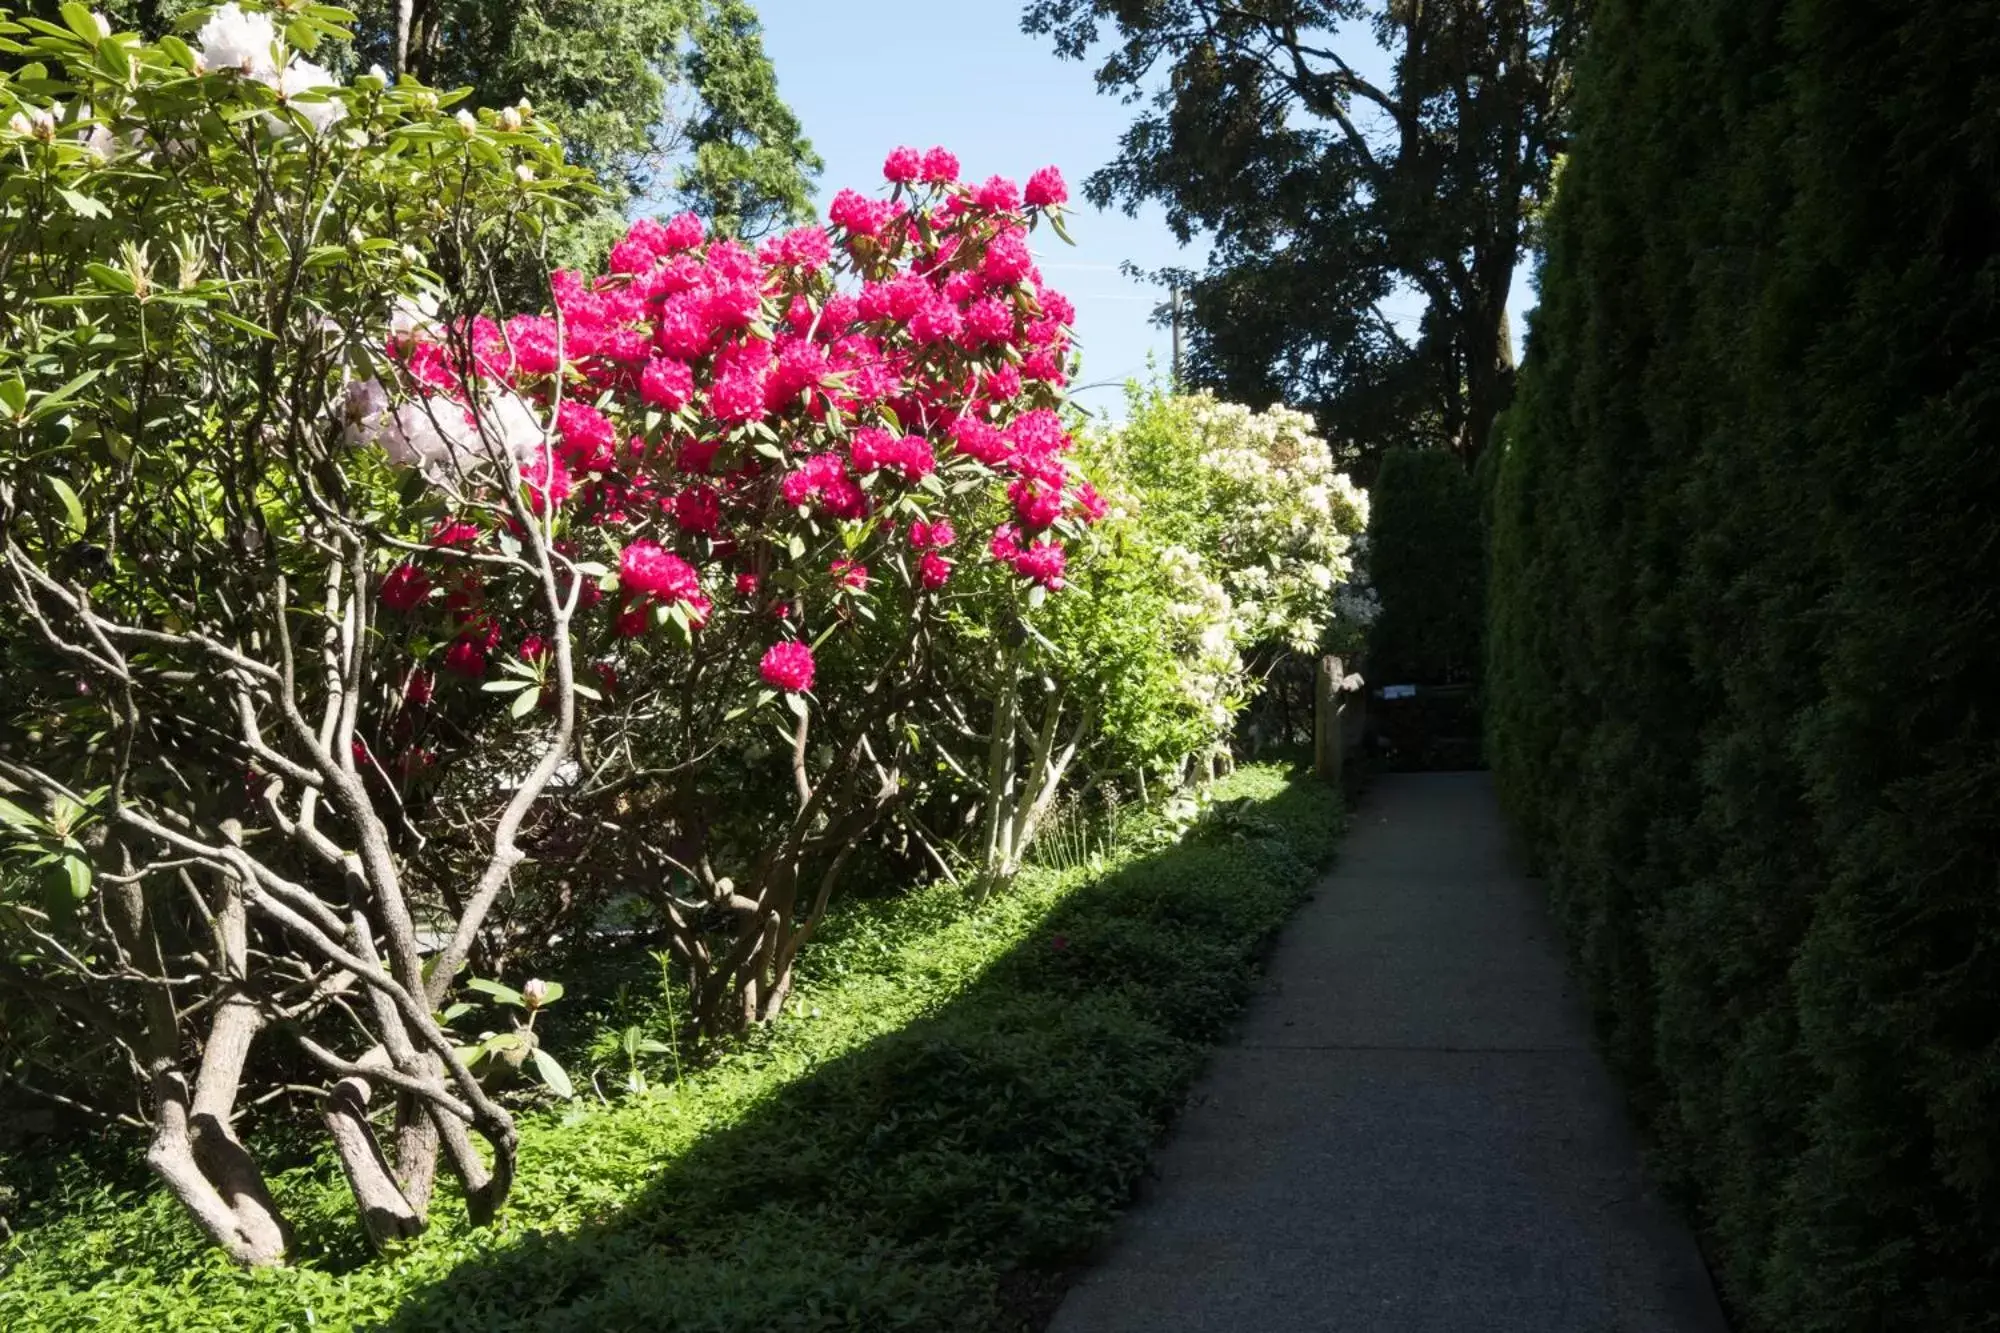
[(962, 1103)]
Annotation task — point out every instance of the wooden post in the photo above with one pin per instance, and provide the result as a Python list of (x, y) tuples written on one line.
[(1327, 747)]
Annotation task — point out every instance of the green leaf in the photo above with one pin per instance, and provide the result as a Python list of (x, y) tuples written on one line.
[(78, 871), (114, 60), (116, 280), (82, 22), (85, 207), (70, 503), (506, 686), (13, 395), (797, 703), (553, 1075), (238, 322), (13, 816), (503, 1041), (525, 701), (551, 992), (504, 994), (51, 401), (428, 968)]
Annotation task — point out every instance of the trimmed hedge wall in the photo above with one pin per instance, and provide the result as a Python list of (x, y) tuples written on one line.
[(1744, 642), (1425, 558)]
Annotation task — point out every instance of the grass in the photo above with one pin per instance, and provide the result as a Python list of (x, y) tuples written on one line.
[(964, 1103)]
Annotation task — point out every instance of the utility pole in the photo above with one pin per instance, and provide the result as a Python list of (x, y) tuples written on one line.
[(1174, 316)]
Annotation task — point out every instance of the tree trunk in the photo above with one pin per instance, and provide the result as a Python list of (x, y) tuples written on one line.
[(249, 1235), (386, 1215), (193, 1150)]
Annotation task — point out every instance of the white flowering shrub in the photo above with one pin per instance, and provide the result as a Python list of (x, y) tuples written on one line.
[(201, 243), (1256, 496)]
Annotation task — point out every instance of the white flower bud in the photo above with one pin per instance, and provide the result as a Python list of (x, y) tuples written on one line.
[(524, 173), (534, 992), (510, 119), (20, 124), (466, 122), (103, 24)]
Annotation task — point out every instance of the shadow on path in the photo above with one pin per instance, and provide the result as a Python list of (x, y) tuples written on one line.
[(940, 1178), (1411, 1132)]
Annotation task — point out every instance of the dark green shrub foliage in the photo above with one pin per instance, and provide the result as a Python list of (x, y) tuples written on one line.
[(1744, 635), (1425, 559), (961, 1102)]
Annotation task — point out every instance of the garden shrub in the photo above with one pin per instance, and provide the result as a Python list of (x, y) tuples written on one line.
[(968, 1097), (1426, 557), (200, 242), (377, 637), (1252, 501), (471, 596), (1740, 665)]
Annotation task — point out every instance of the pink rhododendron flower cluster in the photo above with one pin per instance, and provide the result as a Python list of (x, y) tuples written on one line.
[(787, 666), (810, 424)]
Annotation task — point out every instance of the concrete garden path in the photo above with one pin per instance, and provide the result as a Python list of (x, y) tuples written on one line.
[(1411, 1132)]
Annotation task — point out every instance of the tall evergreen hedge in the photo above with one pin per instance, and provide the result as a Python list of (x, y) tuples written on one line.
[(1425, 558), (1744, 644)]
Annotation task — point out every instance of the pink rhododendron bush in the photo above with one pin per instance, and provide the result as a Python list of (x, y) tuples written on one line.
[(366, 641), (763, 472), (359, 632)]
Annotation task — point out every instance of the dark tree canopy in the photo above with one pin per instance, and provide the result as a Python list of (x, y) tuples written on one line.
[(1323, 193), (670, 99)]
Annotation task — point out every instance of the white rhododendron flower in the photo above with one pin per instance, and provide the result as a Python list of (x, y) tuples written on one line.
[(361, 410), (428, 434), (302, 76), (248, 43), (1276, 480), (511, 420), (412, 316), (244, 42)]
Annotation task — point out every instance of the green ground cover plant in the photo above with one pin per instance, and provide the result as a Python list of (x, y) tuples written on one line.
[(958, 1102)]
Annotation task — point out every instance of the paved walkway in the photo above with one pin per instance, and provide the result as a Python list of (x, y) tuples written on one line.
[(1411, 1133)]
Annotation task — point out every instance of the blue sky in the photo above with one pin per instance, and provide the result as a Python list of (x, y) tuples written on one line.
[(865, 78)]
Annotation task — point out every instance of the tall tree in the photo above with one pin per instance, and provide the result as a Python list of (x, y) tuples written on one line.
[(673, 100), (1324, 192)]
